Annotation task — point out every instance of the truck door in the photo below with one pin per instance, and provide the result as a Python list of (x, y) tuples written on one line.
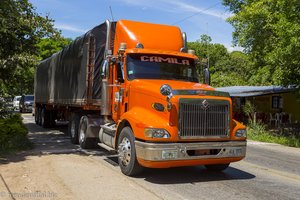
[(118, 92)]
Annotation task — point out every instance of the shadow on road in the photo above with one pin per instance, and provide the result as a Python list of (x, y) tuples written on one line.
[(192, 175), (56, 141), (49, 141)]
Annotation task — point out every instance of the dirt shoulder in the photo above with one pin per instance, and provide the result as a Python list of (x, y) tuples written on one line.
[(56, 169)]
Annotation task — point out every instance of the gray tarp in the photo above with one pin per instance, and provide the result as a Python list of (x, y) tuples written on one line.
[(62, 78)]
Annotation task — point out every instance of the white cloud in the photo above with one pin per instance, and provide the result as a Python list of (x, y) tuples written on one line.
[(68, 27), (231, 48), (178, 6)]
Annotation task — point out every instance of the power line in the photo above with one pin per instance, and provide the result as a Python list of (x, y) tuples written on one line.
[(197, 13)]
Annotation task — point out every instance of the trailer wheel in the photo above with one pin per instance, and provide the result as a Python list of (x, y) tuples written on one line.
[(45, 118), (127, 154), (218, 167), (36, 115), (73, 127), (39, 116), (84, 141), (52, 117)]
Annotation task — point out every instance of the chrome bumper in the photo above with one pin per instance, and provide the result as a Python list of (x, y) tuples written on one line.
[(182, 151)]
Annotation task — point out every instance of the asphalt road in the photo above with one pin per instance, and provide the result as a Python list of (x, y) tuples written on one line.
[(269, 171)]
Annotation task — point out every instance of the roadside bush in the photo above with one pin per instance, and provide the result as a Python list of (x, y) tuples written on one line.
[(3, 109), (13, 134), (258, 131)]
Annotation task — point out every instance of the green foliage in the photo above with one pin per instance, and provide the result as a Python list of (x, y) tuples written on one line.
[(259, 132), (269, 30), (13, 135), (26, 37), (49, 46), (21, 28), (4, 111), (226, 68), (19, 78), (249, 109)]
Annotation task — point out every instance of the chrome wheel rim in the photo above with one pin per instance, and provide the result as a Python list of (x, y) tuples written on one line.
[(82, 133), (124, 150)]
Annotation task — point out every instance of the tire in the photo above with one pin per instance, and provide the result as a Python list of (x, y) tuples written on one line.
[(217, 168), (73, 127), (39, 116), (84, 142), (36, 115), (127, 153), (45, 118), (52, 117)]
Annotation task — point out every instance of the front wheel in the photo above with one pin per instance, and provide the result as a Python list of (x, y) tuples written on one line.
[(127, 154), (219, 167)]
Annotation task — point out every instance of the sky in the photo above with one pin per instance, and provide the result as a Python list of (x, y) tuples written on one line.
[(195, 17)]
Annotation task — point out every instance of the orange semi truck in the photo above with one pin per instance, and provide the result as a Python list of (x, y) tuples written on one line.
[(132, 87)]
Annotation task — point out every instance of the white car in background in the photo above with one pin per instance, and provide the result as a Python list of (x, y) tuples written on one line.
[(16, 102)]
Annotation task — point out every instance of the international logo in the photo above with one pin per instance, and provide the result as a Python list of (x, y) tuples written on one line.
[(205, 105)]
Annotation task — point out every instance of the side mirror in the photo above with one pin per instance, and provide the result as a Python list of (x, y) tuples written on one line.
[(105, 70), (206, 76)]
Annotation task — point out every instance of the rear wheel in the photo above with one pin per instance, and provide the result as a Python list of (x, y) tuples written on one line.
[(219, 167), (39, 116), (45, 118), (52, 117), (73, 127), (36, 115), (84, 141), (127, 154)]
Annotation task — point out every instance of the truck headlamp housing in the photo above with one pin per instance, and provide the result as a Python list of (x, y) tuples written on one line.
[(241, 133), (156, 133)]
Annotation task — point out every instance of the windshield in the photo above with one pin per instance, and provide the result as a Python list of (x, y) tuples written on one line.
[(161, 67), (17, 98), (29, 98)]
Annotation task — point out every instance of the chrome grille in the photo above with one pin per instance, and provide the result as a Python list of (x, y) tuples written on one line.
[(203, 118)]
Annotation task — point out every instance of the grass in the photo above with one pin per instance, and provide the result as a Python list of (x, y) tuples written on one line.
[(259, 132)]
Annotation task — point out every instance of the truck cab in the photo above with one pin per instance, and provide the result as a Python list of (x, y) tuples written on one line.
[(161, 114)]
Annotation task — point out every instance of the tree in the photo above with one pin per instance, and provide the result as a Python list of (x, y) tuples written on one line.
[(269, 30), (49, 46), (21, 28), (226, 68), (232, 69)]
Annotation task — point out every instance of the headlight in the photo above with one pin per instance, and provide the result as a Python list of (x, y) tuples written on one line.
[(241, 133), (156, 133)]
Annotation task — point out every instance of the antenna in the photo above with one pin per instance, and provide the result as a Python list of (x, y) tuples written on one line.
[(207, 46), (111, 13)]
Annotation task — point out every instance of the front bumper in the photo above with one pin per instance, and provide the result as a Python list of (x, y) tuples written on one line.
[(190, 151), (27, 108)]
